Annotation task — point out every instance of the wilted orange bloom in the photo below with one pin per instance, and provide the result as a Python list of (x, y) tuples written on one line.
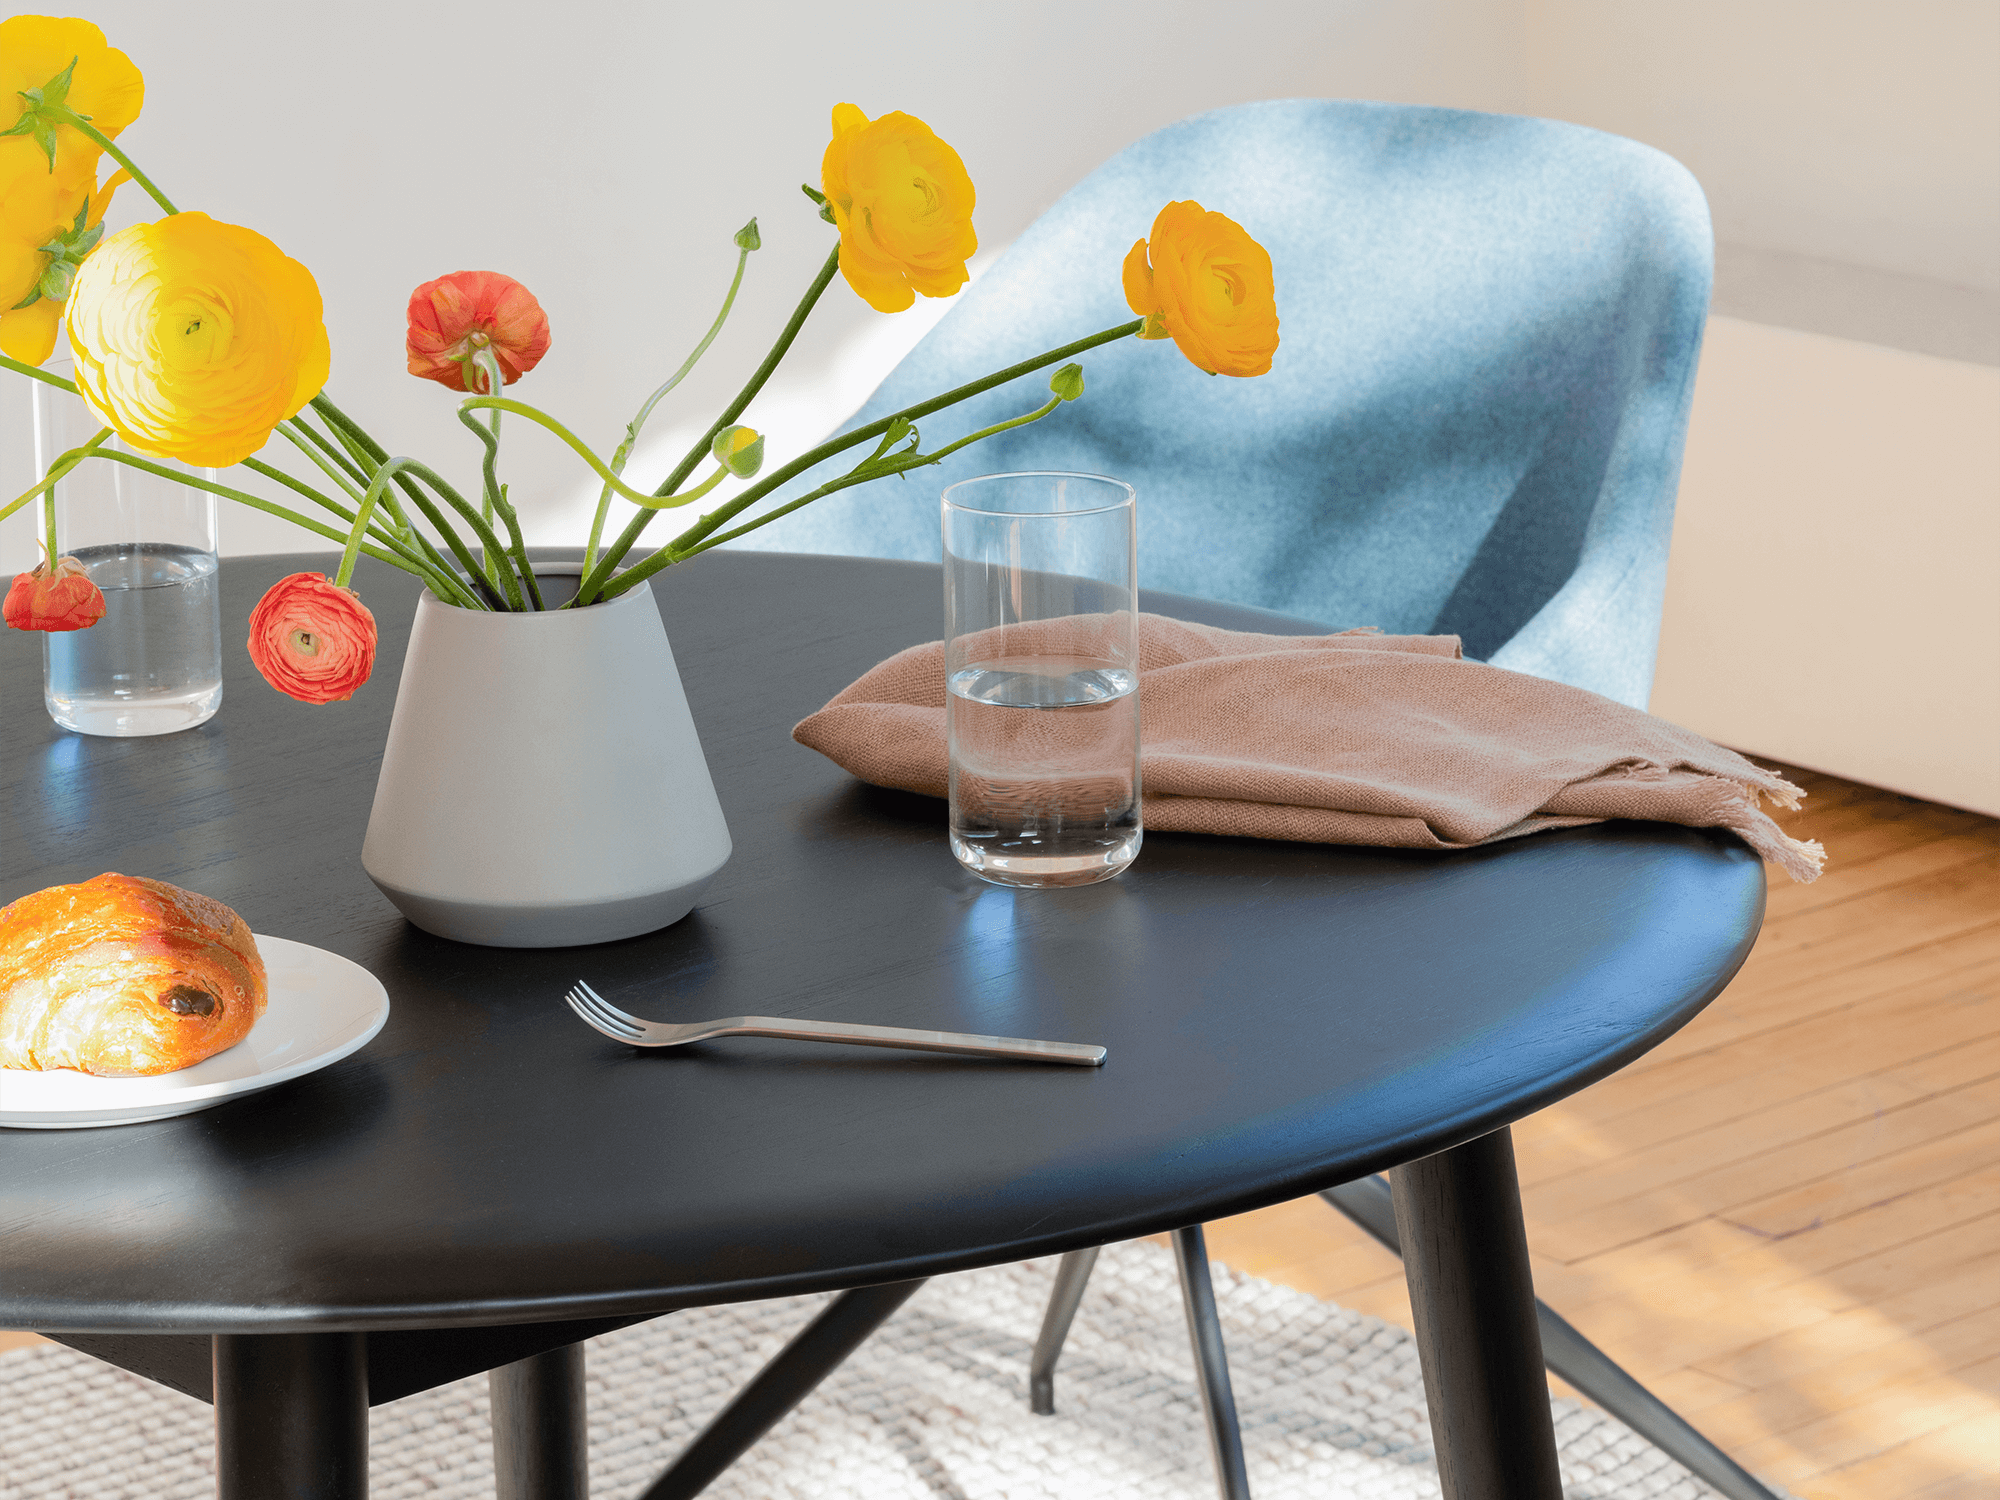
[(1203, 282), (58, 598), (903, 204), (312, 640), (453, 318)]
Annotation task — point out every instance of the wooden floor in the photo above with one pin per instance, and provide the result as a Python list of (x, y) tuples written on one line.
[(1786, 1220)]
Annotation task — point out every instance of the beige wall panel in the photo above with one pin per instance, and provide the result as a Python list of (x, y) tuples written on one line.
[(1834, 594)]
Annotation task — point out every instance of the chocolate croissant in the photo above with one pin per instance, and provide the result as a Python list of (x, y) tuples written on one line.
[(124, 976)]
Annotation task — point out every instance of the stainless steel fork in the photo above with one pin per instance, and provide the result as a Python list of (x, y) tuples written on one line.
[(635, 1031)]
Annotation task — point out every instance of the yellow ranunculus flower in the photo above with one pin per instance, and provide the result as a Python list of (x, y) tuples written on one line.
[(105, 86), (903, 203), (1203, 282), (37, 209), (194, 339)]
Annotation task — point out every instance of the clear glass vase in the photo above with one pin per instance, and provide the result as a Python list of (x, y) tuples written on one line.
[(153, 664)]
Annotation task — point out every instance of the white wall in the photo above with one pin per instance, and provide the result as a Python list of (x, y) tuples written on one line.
[(605, 153), (1854, 131)]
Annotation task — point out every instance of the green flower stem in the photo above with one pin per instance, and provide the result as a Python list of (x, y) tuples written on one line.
[(380, 483), (582, 449), (413, 546), (624, 453), (63, 464), (346, 485), (591, 589), (494, 491), (361, 455), (353, 434), (355, 460), (684, 545), (8, 362), (488, 542), (919, 461), (49, 524), (70, 117), (269, 507), (298, 427), (873, 468)]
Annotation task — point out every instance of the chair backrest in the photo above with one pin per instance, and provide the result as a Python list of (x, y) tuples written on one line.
[(1474, 421)]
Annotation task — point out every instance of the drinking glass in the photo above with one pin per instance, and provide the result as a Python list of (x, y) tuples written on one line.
[(1042, 677), (153, 664)]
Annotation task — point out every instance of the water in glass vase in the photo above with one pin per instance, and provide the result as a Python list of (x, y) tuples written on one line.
[(1044, 770), (153, 664)]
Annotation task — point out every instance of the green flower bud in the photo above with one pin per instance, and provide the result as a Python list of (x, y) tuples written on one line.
[(739, 449), (1067, 382), (747, 238)]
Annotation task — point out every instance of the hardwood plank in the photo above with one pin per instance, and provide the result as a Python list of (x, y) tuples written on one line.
[(1900, 1404), (1712, 1251), (1959, 1487), (1840, 1171), (1881, 1051), (1725, 1126), (1832, 937), (1967, 1290), (1879, 1277), (1756, 1003), (1879, 1180)]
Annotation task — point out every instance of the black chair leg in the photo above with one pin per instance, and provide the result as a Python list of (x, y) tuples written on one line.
[(811, 1356), (1211, 1364), (1072, 1276), (1371, 1205)]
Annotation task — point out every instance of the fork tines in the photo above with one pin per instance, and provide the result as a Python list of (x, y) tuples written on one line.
[(596, 1011)]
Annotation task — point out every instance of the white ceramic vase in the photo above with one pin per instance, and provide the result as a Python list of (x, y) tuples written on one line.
[(543, 785)]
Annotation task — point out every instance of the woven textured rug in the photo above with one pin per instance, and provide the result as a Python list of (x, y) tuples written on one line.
[(934, 1407)]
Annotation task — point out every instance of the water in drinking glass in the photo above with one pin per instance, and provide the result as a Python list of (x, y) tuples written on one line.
[(1044, 770), (153, 664)]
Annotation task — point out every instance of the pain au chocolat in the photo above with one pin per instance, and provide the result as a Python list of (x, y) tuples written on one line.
[(123, 976)]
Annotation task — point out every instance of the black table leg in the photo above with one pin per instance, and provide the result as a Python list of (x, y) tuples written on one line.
[(291, 1416), (1465, 1253), (811, 1356), (541, 1438)]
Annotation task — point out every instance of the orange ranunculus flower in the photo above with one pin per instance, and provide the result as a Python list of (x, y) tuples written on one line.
[(452, 318), (312, 639), (194, 339), (103, 86), (58, 598), (903, 204), (1203, 282)]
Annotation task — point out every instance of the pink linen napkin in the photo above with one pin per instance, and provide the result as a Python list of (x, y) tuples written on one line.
[(1355, 738)]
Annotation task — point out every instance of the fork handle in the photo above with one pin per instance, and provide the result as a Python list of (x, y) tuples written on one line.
[(1021, 1049)]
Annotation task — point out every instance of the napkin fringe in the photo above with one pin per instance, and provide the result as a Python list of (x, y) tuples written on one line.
[(1737, 810)]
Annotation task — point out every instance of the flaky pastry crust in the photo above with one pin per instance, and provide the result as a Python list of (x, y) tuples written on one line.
[(123, 976)]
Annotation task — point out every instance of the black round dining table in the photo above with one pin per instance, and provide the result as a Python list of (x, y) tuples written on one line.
[(489, 1182)]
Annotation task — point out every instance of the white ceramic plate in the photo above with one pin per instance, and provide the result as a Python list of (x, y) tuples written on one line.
[(321, 1008)]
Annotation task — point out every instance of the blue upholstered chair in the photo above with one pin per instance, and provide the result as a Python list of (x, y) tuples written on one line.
[(1473, 425), (1474, 421)]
